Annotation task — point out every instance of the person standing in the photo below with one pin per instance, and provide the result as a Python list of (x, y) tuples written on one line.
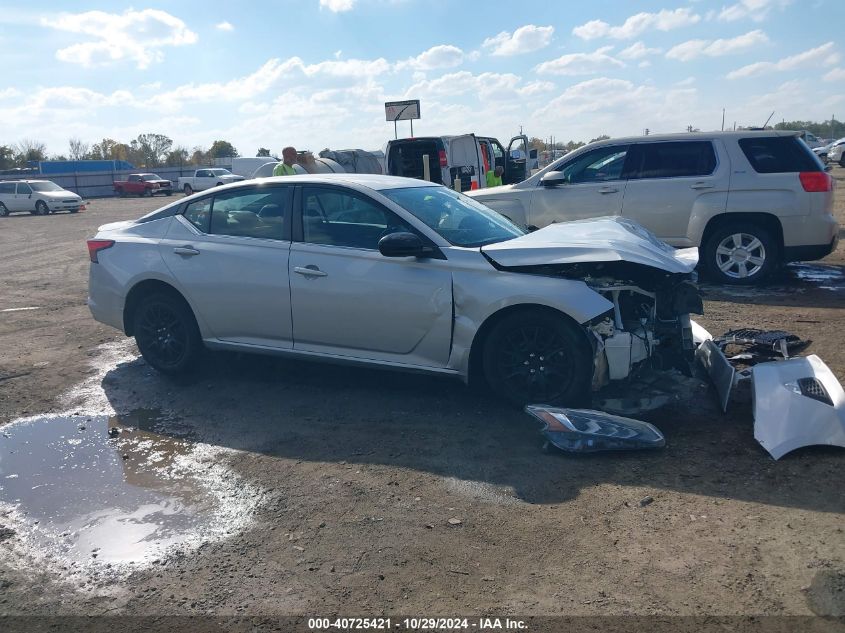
[(494, 177), (285, 168)]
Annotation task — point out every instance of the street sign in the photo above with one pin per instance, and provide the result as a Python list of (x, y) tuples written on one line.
[(402, 110)]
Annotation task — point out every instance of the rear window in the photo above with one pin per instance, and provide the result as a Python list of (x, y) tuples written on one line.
[(672, 160), (7, 187), (779, 154)]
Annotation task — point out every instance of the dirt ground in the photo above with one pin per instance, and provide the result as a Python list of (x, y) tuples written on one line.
[(353, 475)]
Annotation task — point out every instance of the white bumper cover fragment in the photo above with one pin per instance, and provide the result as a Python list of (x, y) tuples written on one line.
[(797, 402)]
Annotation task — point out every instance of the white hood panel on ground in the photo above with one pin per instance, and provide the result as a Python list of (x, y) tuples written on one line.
[(600, 240)]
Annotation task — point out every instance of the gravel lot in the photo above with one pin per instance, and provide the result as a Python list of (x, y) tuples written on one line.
[(340, 483)]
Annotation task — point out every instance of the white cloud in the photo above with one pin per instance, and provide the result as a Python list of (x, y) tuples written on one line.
[(337, 6), (139, 36), (693, 49), (580, 63), (663, 20), (10, 93), (835, 74), (638, 50), (440, 56), (824, 55), (525, 39), (224, 26), (756, 10)]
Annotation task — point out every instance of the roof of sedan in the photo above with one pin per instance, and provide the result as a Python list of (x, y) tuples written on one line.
[(372, 181)]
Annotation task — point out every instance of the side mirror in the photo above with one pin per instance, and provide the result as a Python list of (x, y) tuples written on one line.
[(553, 179), (402, 245)]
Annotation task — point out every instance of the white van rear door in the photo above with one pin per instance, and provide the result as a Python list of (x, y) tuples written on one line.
[(464, 152)]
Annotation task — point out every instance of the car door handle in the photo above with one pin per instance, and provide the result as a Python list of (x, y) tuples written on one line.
[(608, 190), (702, 185), (309, 271), (187, 251)]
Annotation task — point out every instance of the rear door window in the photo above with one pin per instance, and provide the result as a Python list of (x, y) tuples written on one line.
[(7, 187), (674, 159), (779, 154), (24, 189)]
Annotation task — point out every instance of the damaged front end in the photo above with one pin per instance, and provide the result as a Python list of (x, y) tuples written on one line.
[(651, 286)]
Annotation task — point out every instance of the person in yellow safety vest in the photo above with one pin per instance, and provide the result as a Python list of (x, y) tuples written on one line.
[(494, 178), (285, 168)]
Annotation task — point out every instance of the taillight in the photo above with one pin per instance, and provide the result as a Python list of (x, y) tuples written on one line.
[(95, 246), (443, 161), (816, 181)]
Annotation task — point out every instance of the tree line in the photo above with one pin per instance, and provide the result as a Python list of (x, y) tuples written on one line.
[(147, 150)]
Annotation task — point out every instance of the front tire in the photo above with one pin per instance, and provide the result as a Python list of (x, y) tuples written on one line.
[(539, 357), (740, 254), (41, 208), (166, 333)]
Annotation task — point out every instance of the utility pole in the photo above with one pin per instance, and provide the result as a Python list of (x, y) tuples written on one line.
[(723, 119)]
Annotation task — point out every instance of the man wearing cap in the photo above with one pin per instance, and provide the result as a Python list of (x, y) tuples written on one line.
[(285, 168)]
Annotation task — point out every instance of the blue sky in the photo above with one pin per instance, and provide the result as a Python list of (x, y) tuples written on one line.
[(316, 73)]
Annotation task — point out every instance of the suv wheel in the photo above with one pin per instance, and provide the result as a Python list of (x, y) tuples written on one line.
[(538, 357), (740, 253), (167, 333), (41, 208)]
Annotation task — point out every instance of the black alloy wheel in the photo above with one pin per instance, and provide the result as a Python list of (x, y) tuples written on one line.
[(538, 357), (166, 333)]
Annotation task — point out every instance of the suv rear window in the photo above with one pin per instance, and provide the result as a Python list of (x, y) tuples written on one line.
[(778, 155), (674, 159)]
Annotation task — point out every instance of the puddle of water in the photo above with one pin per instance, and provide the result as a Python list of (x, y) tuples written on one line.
[(833, 277), (108, 489)]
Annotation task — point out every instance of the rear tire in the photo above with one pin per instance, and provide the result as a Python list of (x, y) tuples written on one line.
[(41, 208), (188, 190), (534, 356), (166, 333), (740, 254), (3, 210)]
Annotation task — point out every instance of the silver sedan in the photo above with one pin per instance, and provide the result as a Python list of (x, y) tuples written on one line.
[(394, 273)]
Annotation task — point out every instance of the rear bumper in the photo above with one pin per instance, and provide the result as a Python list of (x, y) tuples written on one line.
[(809, 253)]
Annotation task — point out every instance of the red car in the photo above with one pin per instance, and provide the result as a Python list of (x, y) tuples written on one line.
[(143, 185)]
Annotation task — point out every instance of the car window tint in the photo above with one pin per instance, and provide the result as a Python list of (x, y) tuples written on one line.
[(673, 160), (7, 187), (24, 188), (779, 154), (254, 212), (198, 213), (337, 218), (599, 165)]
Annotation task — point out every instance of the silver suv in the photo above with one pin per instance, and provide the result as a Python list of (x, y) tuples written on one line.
[(748, 200)]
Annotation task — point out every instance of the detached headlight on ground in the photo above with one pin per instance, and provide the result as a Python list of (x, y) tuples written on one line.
[(586, 431)]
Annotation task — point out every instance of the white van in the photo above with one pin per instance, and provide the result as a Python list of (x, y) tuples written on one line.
[(38, 197), (467, 156)]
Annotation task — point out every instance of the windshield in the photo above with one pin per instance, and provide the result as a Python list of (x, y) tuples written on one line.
[(220, 172), (458, 219), (45, 186)]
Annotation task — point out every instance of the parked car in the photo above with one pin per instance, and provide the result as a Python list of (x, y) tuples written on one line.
[(394, 273), (38, 197), (206, 178), (143, 185), (810, 139), (836, 153), (466, 156), (749, 200)]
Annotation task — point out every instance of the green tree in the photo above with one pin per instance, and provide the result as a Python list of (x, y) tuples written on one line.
[(198, 156), (29, 150), (177, 157), (222, 149), (825, 129), (262, 151), (7, 157), (150, 149)]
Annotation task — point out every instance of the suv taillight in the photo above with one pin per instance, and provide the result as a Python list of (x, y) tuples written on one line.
[(816, 181), (95, 246), (443, 161)]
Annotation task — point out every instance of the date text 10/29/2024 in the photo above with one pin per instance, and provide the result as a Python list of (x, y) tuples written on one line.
[(417, 624)]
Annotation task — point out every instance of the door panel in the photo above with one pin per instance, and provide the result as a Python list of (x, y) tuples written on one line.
[(593, 187), (234, 274), (668, 182)]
